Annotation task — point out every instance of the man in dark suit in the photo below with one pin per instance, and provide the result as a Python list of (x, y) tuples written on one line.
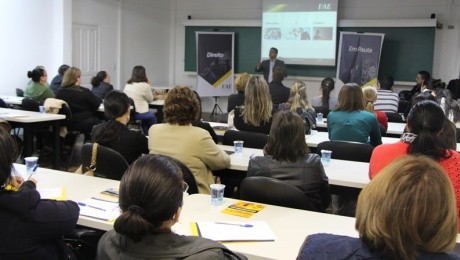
[(267, 66)]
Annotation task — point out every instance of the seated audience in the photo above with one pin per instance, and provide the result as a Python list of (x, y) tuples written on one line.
[(407, 212), (387, 101), (325, 102), (37, 88), (181, 140), (454, 88), (298, 103), (114, 133), (139, 90), (432, 85), (424, 123), (450, 106), (370, 97), (421, 80), (256, 114), (55, 84), (288, 158), (278, 92), (236, 100), (199, 121), (82, 102), (151, 198), (101, 84), (31, 228), (350, 122)]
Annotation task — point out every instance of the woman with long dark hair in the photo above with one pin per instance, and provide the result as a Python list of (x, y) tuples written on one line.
[(325, 102), (288, 158), (101, 84)]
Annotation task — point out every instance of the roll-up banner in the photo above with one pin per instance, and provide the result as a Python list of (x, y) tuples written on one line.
[(359, 57), (214, 52)]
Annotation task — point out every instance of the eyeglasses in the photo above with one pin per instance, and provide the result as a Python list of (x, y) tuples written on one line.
[(184, 186)]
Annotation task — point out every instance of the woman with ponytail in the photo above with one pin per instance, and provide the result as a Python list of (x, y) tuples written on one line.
[(424, 124), (298, 103), (151, 197), (101, 84), (114, 132), (370, 96), (325, 101)]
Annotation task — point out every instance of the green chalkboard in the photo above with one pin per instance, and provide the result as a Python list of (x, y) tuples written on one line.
[(405, 50)]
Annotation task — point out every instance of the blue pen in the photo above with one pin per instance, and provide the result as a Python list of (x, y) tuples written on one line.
[(252, 155), (90, 206), (33, 171), (234, 224)]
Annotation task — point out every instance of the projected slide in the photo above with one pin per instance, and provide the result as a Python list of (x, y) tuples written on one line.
[(304, 32)]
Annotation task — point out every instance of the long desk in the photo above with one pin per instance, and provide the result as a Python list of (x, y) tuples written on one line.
[(12, 100), (291, 226), (393, 128), (340, 172), (28, 120)]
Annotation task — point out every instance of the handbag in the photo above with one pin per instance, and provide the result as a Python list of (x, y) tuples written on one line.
[(92, 167)]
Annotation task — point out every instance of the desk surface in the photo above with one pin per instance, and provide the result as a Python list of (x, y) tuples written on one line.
[(12, 100), (22, 116), (393, 128), (291, 226), (340, 172)]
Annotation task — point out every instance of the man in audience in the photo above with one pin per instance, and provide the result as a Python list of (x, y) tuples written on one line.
[(387, 101), (278, 92), (267, 66)]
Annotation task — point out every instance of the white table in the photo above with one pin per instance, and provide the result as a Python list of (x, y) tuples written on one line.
[(29, 119), (393, 128), (12, 100), (340, 172)]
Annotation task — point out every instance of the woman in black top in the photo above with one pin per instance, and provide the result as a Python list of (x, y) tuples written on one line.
[(82, 102), (101, 84), (114, 133)]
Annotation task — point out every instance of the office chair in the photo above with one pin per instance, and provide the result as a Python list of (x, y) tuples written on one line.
[(30, 104), (19, 92), (345, 150), (251, 139), (110, 164), (275, 192), (394, 117)]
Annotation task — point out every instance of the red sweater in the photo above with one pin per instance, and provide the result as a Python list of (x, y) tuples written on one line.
[(386, 153)]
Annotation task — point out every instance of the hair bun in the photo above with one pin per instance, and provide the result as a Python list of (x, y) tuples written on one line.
[(29, 74)]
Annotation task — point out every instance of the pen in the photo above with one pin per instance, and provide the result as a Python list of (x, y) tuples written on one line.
[(33, 172), (252, 155), (89, 206), (234, 224)]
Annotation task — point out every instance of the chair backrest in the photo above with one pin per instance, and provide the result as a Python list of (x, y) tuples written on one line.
[(344, 150), (30, 104), (3, 104), (110, 164), (65, 110), (458, 135), (394, 117), (275, 192), (189, 178), (251, 139), (404, 95), (19, 92)]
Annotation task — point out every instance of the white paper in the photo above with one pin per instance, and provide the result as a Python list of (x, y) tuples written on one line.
[(50, 193), (99, 209), (235, 231)]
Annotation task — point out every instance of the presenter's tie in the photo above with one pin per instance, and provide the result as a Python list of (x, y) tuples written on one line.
[(270, 74)]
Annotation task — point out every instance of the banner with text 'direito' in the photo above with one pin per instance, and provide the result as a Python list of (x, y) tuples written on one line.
[(214, 52)]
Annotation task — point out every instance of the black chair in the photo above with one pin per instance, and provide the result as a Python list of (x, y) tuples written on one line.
[(322, 110), (132, 121), (30, 104), (19, 92), (404, 95), (110, 164), (345, 150), (251, 139), (3, 104), (394, 117), (458, 135), (275, 192), (383, 130), (188, 177)]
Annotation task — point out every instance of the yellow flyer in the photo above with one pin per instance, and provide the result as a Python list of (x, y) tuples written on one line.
[(243, 209)]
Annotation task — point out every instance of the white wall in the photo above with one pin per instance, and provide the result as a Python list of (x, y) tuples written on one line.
[(32, 34), (145, 39), (104, 14)]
